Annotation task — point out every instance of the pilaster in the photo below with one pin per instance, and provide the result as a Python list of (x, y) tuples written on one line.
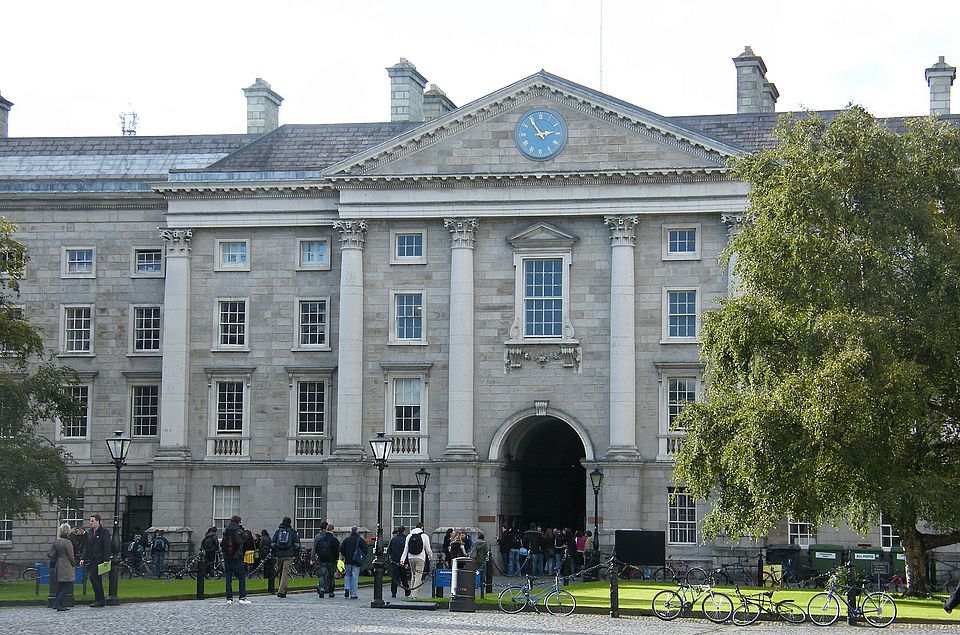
[(175, 366), (349, 427), (461, 360), (734, 224)]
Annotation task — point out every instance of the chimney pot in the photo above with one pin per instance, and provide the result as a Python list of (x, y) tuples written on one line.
[(406, 92), (5, 106), (263, 107), (436, 103), (940, 78), (754, 92)]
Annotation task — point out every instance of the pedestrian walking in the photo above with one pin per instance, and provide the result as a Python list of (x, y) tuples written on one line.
[(480, 555), (158, 551), (232, 546), (353, 549), (286, 546), (98, 550), (398, 572), (416, 553), (326, 549), (209, 546), (62, 564)]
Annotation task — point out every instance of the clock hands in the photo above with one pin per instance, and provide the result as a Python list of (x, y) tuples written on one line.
[(539, 132)]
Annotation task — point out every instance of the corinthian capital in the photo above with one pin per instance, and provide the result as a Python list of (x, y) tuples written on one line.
[(622, 229), (461, 231), (177, 240), (352, 233)]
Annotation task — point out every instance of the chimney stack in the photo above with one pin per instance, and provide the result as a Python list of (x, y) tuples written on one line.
[(436, 103), (406, 92), (263, 107), (940, 78), (754, 92), (5, 107)]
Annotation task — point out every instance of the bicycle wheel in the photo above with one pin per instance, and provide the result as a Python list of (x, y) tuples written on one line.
[(746, 613), (791, 612), (663, 574), (717, 607), (560, 602), (879, 609), (10, 571), (823, 609), (30, 573), (513, 599), (717, 578), (696, 575), (667, 605)]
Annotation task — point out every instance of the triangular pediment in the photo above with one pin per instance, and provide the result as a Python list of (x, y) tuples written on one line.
[(605, 135), (542, 235)]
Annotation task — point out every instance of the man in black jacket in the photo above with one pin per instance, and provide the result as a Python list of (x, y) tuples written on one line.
[(354, 550), (326, 547), (398, 572), (96, 551), (286, 547), (533, 542)]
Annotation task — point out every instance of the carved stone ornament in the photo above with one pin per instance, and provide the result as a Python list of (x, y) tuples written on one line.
[(569, 355), (622, 229), (734, 222), (177, 240), (461, 231), (352, 233)]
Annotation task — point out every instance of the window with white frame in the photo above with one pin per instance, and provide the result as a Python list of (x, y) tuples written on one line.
[(681, 242), (230, 398), (680, 315), (144, 410), (408, 247), (77, 330), (682, 523), (313, 254), (802, 534), (312, 320), (232, 255), (6, 527), (406, 506), (146, 329), (543, 297), (77, 426), (680, 392), (226, 503), (311, 406), (407, 404), (13, 314), (79, 262), (72, 513), (405, 407), (407, 324), (147, 262), (232, 323), (308, 511), (889, 539)]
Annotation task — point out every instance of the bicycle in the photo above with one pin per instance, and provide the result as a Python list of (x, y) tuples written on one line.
[(731, 574), (717, 607), (135, 568), (752, 605), (557, 601), (9, 571), (680, 571), (878, 608)]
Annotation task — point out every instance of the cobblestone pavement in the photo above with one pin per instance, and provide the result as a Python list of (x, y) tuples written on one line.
[(306, 613)]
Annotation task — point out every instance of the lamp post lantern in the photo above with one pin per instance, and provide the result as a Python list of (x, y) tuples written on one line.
[(423, 477), (596, 479), (381, 447), (118, 445)]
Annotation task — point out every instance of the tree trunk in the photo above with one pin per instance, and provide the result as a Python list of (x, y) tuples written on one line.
[(913, 552)]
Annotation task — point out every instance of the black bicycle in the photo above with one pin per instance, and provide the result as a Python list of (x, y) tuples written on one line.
[(747, 608)]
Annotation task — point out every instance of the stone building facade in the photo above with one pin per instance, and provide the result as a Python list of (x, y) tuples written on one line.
[(514, 305)]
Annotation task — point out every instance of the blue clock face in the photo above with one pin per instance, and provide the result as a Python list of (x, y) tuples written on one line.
[(540, 135)]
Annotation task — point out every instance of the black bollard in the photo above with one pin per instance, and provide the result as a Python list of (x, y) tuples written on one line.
[(201, 574), (760, 569), (851, 597), (614, 591), (270, 571), (488, 581)]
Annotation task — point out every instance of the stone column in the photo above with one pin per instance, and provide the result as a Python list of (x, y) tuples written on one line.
[(175, 367), (734, 223), (350, 342), (623, 349), (460, 382)]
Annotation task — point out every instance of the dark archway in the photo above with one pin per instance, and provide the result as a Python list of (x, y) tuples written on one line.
[(550, 476)]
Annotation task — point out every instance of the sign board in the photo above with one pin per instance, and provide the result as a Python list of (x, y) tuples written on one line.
[(902, 556), (825, 555), (880, 568), (859, 555)]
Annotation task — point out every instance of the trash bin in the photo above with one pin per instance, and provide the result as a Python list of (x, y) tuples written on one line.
[(463, 585), (863, 559), (898, 562), (826, 558)]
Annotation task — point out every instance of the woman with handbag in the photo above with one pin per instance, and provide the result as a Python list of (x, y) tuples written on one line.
[(62, 565)]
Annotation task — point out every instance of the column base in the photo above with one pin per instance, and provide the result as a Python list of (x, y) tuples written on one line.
[(461, 452), (622, 453), (349, 453)]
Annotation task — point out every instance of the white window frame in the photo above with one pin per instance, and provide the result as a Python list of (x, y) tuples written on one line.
[(217, 346), (296, 380), (312, 266), (133, 412), (393, 338), (405, 498), (132, 327), (801, 533), (226, 503), (297, 344), (665, 337), (889, 538), (670, 440), (64, 308), (679, 500), (520, 321), (667, 254), (16, 311), (215, 406), (88, 415), (74, 516), (65, 266), (396, 259), (134, 271), (220, 265), (6, 528), (303, 494), (402, 439)]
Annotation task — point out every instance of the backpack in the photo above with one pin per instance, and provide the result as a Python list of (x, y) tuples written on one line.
[(209, 543), (323, 550), (229, 544), (357, 558), (284, 539), (159, 544), (415, 545)]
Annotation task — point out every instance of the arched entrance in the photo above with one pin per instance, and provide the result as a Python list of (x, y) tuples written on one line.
[(543, 479)]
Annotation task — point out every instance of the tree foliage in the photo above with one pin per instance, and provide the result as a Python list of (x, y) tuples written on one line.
[(833, 378), (32, 392)]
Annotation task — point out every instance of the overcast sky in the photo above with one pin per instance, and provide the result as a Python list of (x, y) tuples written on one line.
[(71, 67)]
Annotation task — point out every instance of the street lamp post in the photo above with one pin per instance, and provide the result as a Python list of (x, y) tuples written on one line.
[(596, 479), (423, 477), (118, 445), (381, 447)]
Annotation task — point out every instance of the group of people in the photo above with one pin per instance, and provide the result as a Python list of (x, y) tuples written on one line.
[(140, 544), (90, 549), (541, 550)]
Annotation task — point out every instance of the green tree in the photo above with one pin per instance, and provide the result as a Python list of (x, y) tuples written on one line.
[(32, 391), (833, 377)]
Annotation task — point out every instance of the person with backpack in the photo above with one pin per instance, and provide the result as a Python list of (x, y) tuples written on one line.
[(232, 547), (480, 554), (416, 552), (158, 551), (286, 546), (532, 542), (326, 548), (398, 573), (209, 546), (353, 549)]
